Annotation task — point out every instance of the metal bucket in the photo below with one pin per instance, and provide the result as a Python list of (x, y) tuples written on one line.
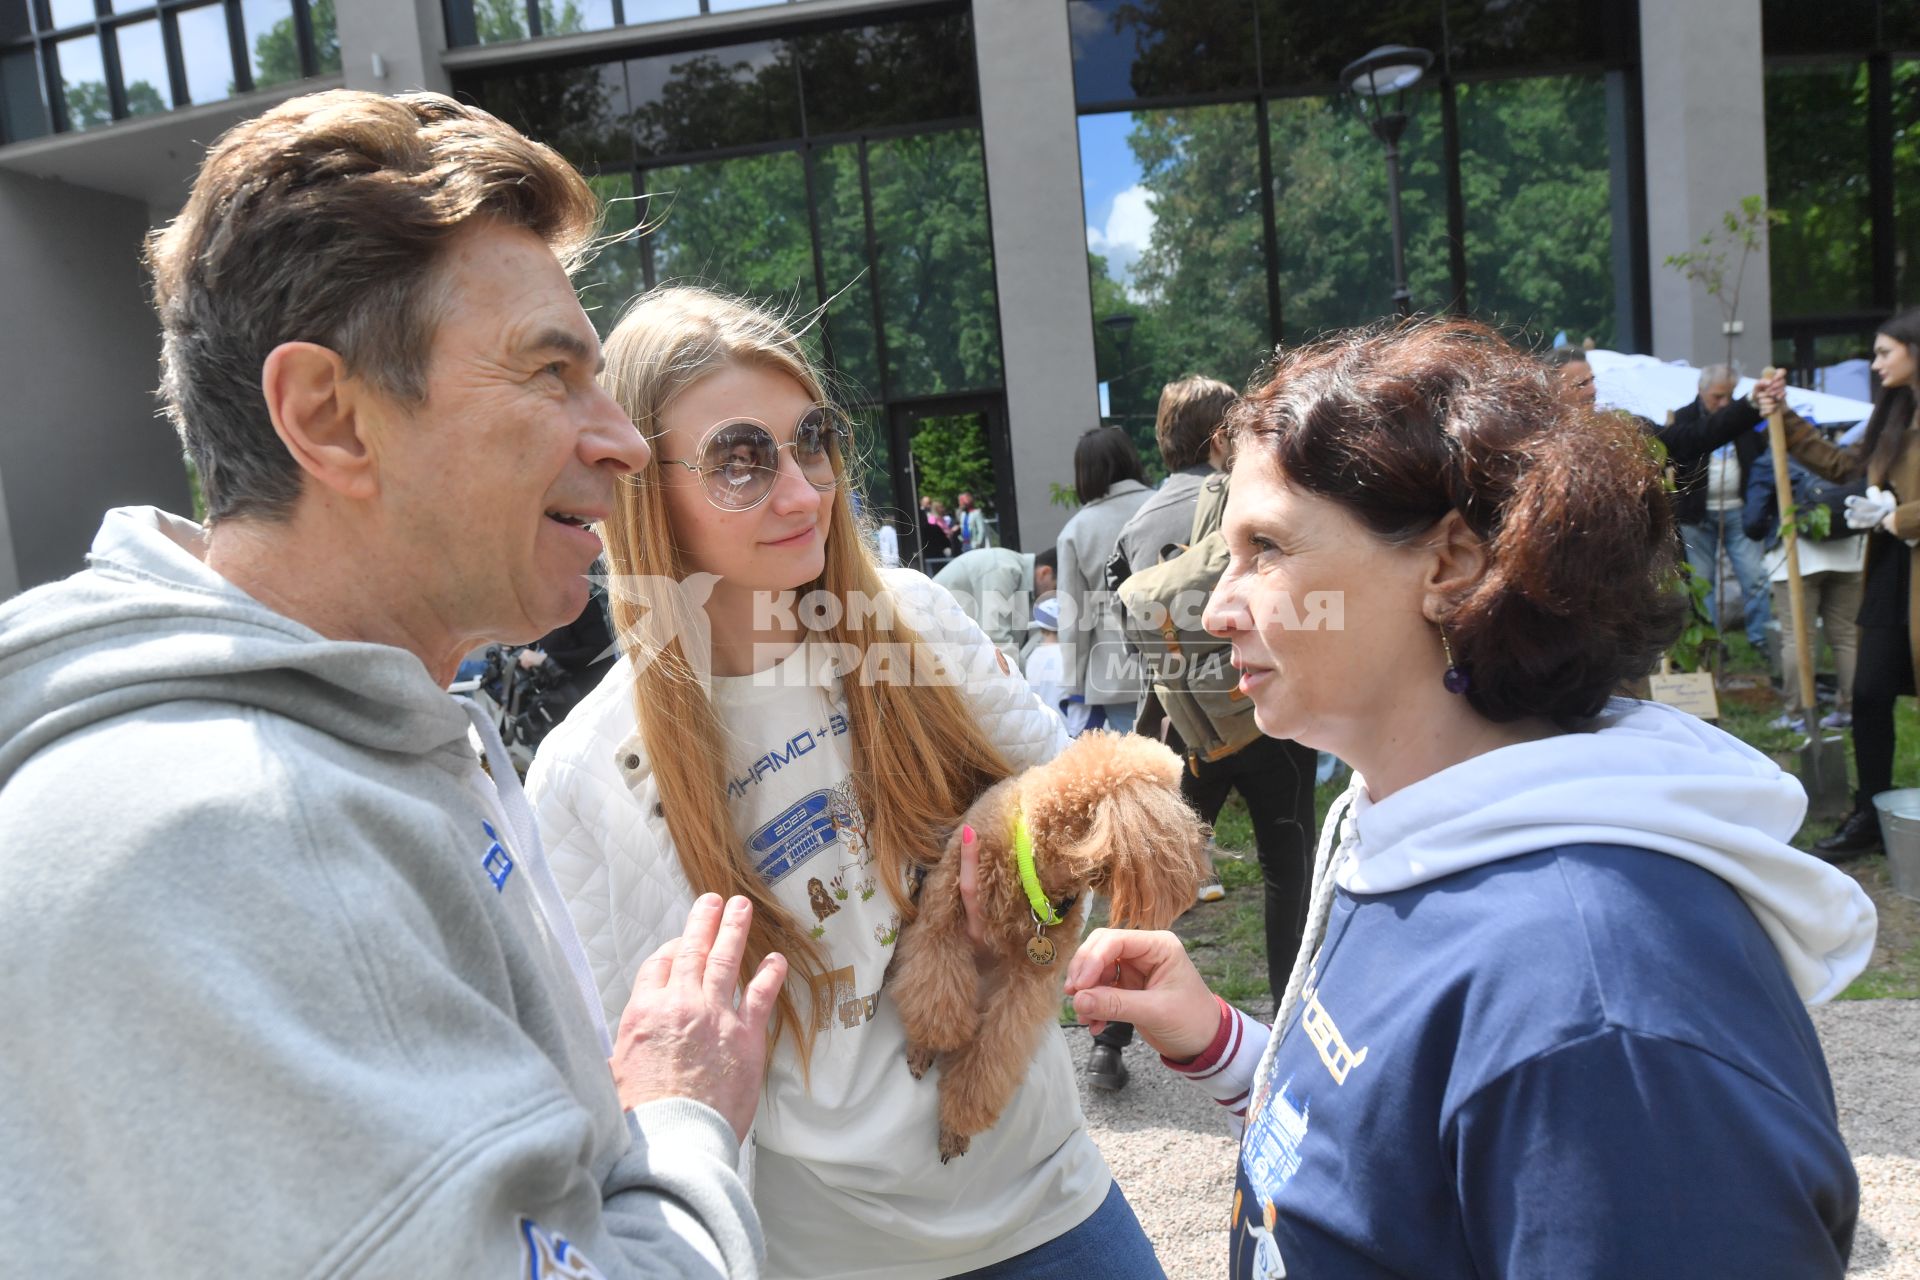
[(1900, 833)]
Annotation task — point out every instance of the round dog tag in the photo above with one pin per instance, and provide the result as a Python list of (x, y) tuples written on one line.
[(1040, 949)]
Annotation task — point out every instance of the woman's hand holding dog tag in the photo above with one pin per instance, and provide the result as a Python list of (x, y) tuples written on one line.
[(1146, 978)]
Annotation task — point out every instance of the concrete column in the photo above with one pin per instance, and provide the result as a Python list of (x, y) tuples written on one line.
[(78, 425), (406, 36), (1706, 146), (1039, 247)]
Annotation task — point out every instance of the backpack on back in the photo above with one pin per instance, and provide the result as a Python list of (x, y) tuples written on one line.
[(1188, 670)]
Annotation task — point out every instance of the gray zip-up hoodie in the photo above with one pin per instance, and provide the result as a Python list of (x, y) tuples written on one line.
[(278, 993)]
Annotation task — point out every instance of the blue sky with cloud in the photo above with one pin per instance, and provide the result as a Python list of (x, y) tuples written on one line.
[(1119, 210)]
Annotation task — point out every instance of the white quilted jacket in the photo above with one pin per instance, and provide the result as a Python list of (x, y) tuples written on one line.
[(598, 808)]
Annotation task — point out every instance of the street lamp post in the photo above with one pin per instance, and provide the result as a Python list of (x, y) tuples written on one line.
[(1380, 81), (1121, 327)]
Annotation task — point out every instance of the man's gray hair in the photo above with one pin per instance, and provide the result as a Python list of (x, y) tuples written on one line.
[(1715, 374)]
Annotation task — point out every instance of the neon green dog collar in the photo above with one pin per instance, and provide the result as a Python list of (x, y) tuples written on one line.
[(1029, 875)]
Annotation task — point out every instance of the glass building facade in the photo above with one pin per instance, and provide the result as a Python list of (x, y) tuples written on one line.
[(1235, 198), (836, 172), (1843, 168), (72, 65)]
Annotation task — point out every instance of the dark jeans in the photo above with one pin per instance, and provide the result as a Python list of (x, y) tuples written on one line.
[(1882, 672), (1275, 777)]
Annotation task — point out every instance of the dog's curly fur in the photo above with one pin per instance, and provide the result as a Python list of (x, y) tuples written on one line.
[(1106, 817)]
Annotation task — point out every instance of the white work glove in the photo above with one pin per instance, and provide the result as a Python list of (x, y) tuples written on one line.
[(1867, 511)]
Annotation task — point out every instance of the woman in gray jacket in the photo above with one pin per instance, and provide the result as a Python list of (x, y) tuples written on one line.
[(1111, 486)]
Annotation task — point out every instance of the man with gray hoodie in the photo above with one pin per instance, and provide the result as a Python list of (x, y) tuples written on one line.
[(289, 988)]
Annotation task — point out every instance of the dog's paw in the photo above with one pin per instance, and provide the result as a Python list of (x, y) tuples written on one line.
[(919, 1058), (952, 1144)]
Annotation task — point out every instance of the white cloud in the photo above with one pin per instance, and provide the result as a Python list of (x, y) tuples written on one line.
[(1128, 232)]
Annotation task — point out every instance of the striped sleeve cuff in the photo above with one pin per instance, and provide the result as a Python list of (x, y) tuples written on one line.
[(1225, 1068)]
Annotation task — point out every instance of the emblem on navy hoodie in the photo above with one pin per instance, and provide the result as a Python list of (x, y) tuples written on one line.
[(498, 863)]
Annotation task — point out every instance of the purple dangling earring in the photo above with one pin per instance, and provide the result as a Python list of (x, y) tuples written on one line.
[(1456, 678)]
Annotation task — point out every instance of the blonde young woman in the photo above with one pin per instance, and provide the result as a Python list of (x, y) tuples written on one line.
[(822, 757)]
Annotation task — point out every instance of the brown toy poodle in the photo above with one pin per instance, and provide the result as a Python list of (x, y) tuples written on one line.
[(1106, 817)]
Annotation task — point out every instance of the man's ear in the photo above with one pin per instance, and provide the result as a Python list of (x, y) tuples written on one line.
[(1458, 559), (317, 409)]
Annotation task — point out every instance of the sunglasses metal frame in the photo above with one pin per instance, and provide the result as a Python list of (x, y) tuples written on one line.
[(836, 432)]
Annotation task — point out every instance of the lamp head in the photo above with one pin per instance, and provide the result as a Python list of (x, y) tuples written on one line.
[(1381, 79)]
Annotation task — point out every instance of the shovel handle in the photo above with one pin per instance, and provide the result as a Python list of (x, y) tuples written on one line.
[(1790, 541)]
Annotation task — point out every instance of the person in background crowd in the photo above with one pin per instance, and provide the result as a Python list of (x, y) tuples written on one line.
[(886, 541), (997, 587), (1712, 444), (936, 536), (1889, 513), (1274, 776), (289, 992), (1494, 1055), (973, 525), (814, 784), (1830, 574), (1045, 671), (1110, 485)]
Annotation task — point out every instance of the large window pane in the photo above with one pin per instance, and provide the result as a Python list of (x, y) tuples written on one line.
[(83, 82), (935, 263), (1178, 269), (273, 50), (1334, 232), (1906, 181), (143, 68), (738, 225), (843, 258), (1795, 26), (25, 110), (736, 96), (496, 20), (326, 37), (1486, 34), (1126, 49), (564, 17), (611, 280), (1535, 179), (899, 73), (14, 22), (67, 13), (580, 111), (1821, 259), (660, 10), (1314, 39), (206, 52)]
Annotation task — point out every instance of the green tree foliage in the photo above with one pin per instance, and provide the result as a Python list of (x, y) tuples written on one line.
[(950, 456), (88, 106), (1822, 260), (276, 51), (935, 271), (1536, 195)]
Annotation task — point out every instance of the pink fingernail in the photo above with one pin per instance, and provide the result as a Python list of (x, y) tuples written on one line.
[(966, 834)]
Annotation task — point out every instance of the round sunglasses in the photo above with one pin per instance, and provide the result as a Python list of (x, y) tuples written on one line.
[(738, 460)]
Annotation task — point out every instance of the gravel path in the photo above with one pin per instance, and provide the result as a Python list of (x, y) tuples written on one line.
[(1169, 1149)]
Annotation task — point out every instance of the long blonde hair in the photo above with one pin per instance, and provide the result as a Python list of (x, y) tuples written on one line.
[(918, 758)]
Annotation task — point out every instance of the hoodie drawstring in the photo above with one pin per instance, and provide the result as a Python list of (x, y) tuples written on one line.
[(518, 816), (1326, 861)]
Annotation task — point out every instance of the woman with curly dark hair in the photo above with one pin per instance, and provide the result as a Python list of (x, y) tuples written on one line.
[(1548, 1015)]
